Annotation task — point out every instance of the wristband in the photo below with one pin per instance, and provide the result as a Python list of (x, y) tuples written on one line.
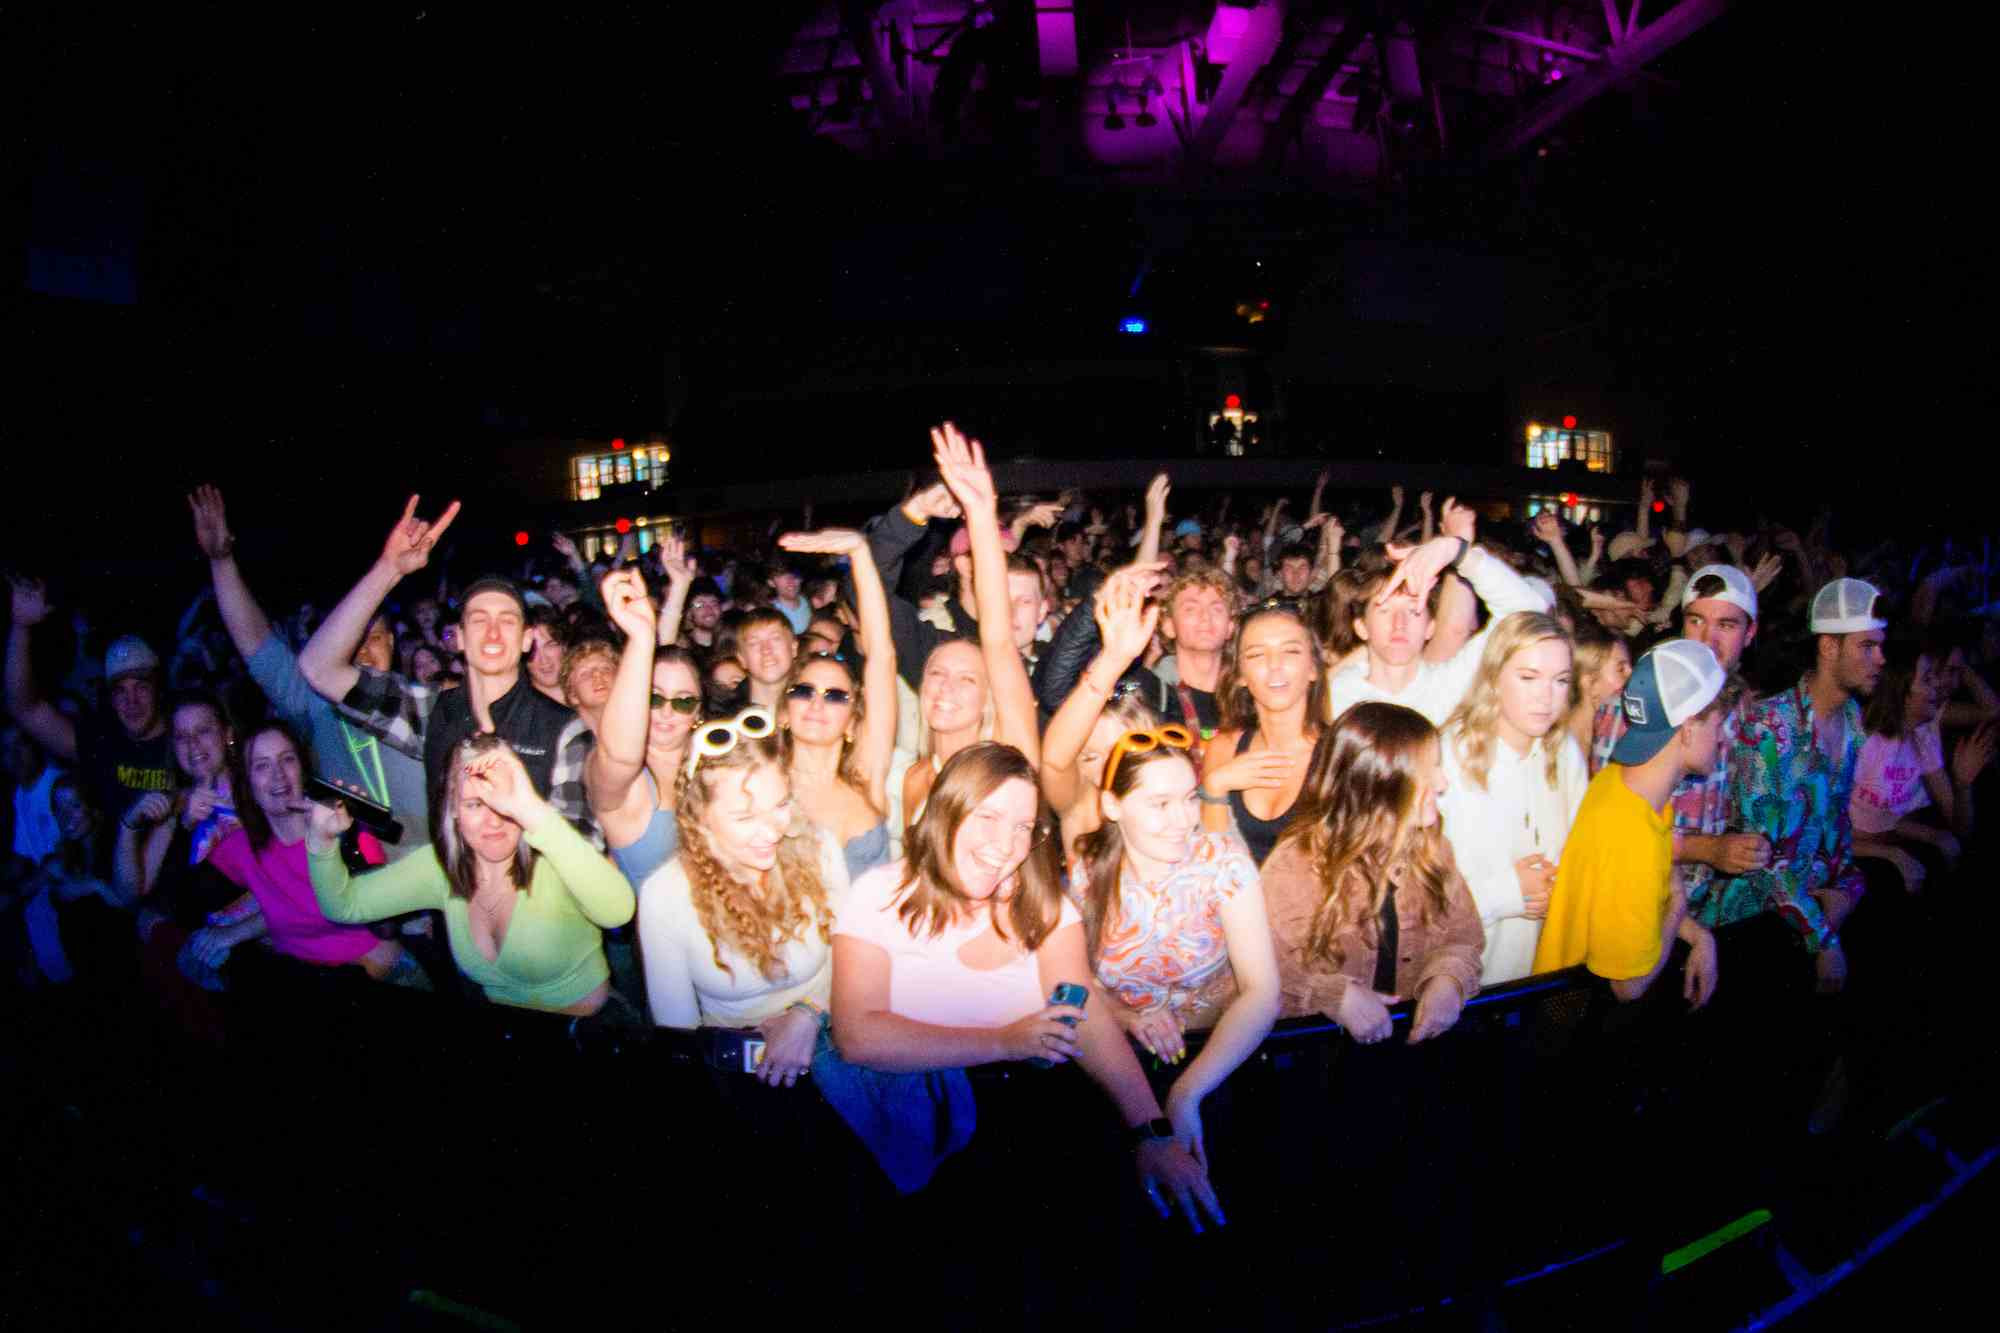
[(1206, 799), (1463, 547), (1150, 1131)]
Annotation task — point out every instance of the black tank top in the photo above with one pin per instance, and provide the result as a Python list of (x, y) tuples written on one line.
[(1259, 835)]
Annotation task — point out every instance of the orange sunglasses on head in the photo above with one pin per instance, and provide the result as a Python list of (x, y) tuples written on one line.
[(1173, 735)]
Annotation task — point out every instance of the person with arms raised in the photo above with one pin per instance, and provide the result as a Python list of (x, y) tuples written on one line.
[(498, 697), (117, 758), (839, 724), (349, 754), (642, 736), (1399, 617)]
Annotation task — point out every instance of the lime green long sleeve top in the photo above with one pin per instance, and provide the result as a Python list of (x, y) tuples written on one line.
[(553, 952)]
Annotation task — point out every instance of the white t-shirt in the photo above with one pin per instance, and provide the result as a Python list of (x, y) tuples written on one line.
[(1516, 814), (686, 989), (1439, 686), (928, 982), (1889, 777)]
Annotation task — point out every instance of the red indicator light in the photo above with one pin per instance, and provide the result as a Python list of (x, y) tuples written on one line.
[(1569, 497), (520, 539), (620, 444), (1232, 402), (1569, 423), (624, 525), (1659, 506)]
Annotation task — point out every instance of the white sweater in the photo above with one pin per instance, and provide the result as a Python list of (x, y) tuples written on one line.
[(685, 988), (1516, 814)]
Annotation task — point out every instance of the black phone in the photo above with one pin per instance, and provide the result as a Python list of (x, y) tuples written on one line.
[(733, 1050), (1066, 992), (377, 819)]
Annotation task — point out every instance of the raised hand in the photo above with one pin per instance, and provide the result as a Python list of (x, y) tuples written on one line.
[(675, 562), (211, 523), (1596, 542), (1125, 620), (1396, 495), (1677, 494), (629, 605), (1230, 546), (1156, 498), (1546, 528), (412, 539), (827, 541), (1043, 515), (566, 548), (1418, 567), (497, 778), (962, 464), (1766, 572), (1424, 502), (31, 601), (1457, 520)]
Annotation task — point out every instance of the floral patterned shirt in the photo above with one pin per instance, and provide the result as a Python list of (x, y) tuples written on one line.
[(1783, 785), (1163, 948), (1701, 804)]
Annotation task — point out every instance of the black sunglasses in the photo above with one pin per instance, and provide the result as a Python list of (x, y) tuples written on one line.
[(833, 694), (682, 703)]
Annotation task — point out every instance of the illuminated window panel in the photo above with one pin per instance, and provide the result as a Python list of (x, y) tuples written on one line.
[(1551, 446)]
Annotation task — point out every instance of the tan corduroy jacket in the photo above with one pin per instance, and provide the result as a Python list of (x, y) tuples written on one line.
[(1448, 948)]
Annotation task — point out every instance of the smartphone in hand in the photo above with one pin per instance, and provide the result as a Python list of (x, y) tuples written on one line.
[(1066, 992)]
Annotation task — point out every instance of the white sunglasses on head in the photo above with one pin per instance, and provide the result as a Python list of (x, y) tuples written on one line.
[(719, 738)]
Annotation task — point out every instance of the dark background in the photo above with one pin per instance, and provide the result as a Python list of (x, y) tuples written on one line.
[(339, 260)]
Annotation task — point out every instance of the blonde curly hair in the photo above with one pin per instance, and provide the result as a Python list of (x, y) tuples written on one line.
[(794, 900)]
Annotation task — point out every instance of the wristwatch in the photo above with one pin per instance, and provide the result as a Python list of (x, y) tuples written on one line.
[(1463, 547), (1157, 1128)]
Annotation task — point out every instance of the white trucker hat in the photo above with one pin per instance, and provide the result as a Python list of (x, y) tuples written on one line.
[(1737, 589), (1846, 606)]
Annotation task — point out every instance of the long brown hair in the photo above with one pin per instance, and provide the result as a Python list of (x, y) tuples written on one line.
[(1233, 693), (460, 865), (1356, 822), (1471, 726), (257, 824), (794, 897), (930, 893), (1101, 852)]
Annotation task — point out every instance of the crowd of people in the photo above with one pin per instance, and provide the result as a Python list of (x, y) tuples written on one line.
[(986, 781)]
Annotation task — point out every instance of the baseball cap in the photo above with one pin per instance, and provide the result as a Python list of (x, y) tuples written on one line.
[(130, 656), (1187, 527), (1737, 589), (494, 583), (961, 541), (1846, 606), (1670, 684), (1627, 544)]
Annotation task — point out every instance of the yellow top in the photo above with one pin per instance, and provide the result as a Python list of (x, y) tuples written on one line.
[(1613, 884)]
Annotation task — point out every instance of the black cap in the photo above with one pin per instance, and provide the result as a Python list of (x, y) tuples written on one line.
[(494, 583)]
